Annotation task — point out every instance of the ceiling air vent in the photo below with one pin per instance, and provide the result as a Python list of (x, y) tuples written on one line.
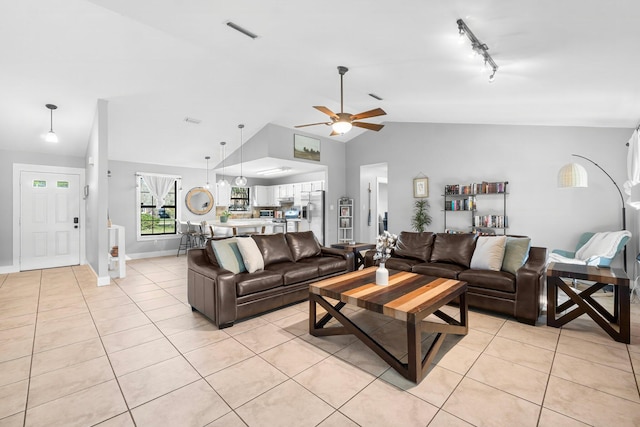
[(192, 120), (242, 30)]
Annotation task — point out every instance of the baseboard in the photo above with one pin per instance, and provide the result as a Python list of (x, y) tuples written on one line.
[(155, 254), (100, 281), (9, 269)]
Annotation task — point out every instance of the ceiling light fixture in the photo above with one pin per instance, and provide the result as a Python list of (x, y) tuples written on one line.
[(274, 171), (241, 181), (223, 182), (207, 184), (51, 135), (479, 48)]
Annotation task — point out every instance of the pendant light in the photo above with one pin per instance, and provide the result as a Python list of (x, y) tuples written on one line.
[(51, 135), (207, 184), (223, 182), (241, 181)]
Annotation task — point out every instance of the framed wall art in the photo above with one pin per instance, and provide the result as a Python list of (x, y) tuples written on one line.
[(420, 187), (305, 147)]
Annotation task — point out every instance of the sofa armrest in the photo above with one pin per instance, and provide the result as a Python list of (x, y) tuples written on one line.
[(530, 280), (340, 253), (368, 259), (211, 290)]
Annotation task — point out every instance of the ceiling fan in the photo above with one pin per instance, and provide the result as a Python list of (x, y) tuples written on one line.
[(342, 122)]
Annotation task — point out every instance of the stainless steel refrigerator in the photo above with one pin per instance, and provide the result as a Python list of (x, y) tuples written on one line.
[(313, 214)]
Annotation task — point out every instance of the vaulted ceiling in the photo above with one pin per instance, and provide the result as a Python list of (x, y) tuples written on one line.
[(569, 62)]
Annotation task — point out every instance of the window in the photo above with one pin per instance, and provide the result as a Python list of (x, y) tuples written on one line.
[(239, 199), (155, 221)]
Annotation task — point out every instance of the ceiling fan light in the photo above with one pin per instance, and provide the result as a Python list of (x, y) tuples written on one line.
[(341, 127), (51, 137)]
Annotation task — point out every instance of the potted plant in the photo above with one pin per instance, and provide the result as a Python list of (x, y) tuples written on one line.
[(421, 217), (224, 216)]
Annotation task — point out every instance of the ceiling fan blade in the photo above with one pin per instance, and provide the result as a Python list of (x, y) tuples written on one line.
[(327, 111), (370, 126), (313, 124), (367, 114)]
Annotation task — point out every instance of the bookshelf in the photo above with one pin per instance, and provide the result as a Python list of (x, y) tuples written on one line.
[(485, 203), (345, 220)]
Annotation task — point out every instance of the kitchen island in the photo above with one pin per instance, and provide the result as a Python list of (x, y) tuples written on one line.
[(239, 226)]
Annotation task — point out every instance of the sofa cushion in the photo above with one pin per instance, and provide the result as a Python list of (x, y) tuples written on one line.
[(273, 247), (326, 265), (249, 283), (303, 245), (403, 264), (453, 248), (294, 272), (488, 253), (414, 245), (228, 255), (438, 269), (211, 256), (516, 253), (498, 280), (251, 255)]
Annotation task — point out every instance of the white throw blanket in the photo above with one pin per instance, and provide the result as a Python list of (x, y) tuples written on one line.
[(601, 245)]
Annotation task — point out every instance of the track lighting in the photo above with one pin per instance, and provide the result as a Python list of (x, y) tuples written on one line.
[(478, 48), (51, 135)]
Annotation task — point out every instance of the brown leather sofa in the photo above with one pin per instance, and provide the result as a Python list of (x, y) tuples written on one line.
[(449, 255), (291, 260)]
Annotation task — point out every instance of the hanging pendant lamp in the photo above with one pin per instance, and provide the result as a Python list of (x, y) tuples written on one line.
[(207, 184), (222, 182), (51, 135), (241, 181)]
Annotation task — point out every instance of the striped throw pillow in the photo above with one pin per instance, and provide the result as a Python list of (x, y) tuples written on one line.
[(228, 255)]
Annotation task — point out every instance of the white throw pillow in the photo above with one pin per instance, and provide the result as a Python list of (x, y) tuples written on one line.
[(251, 255), (489, 253)]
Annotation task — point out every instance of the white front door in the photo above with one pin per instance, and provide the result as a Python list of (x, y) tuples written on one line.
[(49, 220)]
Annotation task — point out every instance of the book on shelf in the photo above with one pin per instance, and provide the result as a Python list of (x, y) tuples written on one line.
[(484, 187), (490, 221)]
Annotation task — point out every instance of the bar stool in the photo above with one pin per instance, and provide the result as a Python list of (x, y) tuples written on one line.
[(184, 229)]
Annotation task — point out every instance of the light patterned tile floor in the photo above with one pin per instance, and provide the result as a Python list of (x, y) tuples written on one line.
[(133, 353)]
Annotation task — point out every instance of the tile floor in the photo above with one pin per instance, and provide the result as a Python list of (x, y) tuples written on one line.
[(133, 353)]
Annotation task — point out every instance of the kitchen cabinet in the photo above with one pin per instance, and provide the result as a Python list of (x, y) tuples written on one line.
[(261, 196), (297, 193), (317, 185), (285, 190), (223, 195)]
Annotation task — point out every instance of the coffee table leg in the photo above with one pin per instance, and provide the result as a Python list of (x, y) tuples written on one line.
[(414, 344)]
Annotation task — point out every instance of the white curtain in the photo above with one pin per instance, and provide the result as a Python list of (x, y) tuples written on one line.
[(632, 186), (159, 186)]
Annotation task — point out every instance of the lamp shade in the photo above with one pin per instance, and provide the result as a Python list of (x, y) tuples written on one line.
[(341, 127), (572, 175)]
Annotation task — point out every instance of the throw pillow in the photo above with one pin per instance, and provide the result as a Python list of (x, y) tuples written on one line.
[(251, 255), (516, 253), (228, 255), (489, 253)]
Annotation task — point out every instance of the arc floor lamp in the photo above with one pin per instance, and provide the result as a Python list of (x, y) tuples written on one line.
[(575, 175)]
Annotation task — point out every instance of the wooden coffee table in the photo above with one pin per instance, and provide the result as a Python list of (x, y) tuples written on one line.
[(409, 297)]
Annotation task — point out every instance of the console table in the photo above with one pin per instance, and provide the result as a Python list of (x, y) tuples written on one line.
[(616, 324)]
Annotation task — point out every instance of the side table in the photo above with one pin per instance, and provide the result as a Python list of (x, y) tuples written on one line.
[(356, 248), (616, 324)]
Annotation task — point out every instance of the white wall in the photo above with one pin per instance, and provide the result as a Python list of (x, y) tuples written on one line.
[(96, 163), (529, 157)]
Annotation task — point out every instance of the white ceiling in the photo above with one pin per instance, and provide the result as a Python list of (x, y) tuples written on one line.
[(567, 63)]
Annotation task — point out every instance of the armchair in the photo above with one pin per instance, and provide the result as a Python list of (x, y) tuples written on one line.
[(597, 249)]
